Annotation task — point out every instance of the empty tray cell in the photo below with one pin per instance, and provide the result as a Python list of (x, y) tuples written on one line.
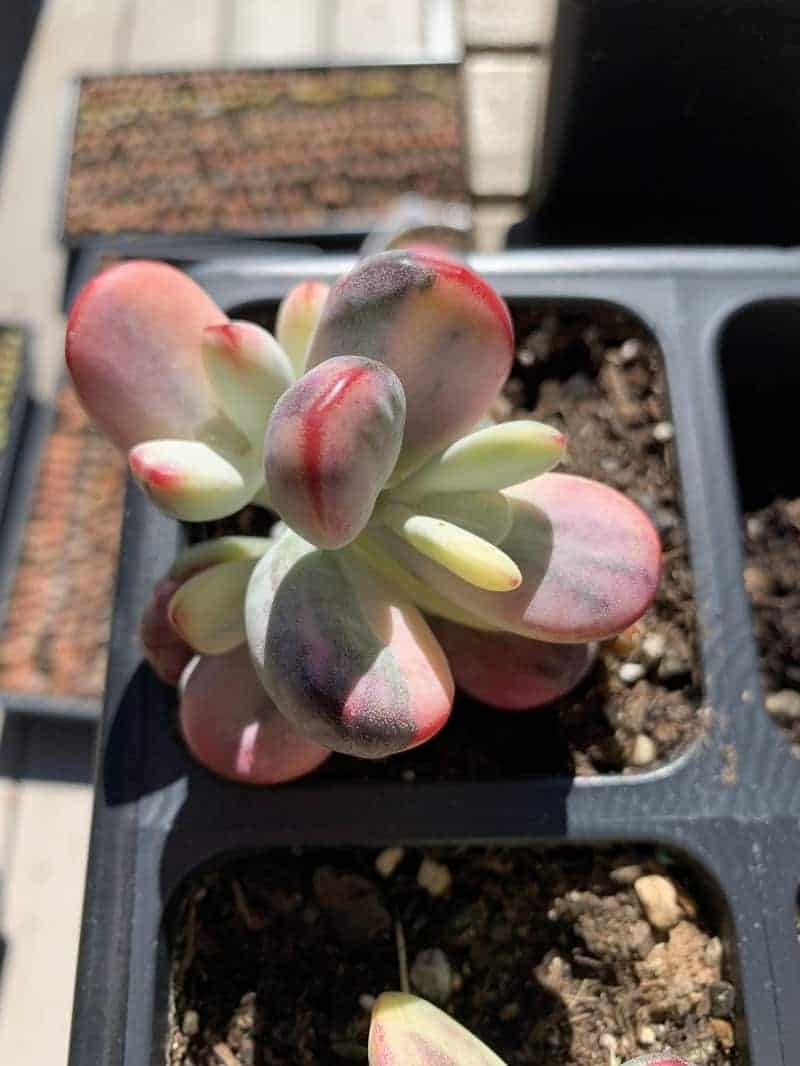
[(596, 373), (759, 352), (574, 956), (57, 620)]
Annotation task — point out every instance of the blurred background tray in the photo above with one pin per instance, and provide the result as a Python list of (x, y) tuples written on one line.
[(276, 152)]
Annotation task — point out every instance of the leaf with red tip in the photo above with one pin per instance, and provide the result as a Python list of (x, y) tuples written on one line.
[(297, 319), (659, 1058), (590, 561), (440, 327), (166, 651), (332, 442), (133, 350), (231, 726), (510, 672), (407, 1031), (192, 481), (248, 371), (344, 658)]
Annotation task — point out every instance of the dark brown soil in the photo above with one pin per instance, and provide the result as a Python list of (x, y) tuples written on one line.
[(772, 578), (547, 957), (595, 373)]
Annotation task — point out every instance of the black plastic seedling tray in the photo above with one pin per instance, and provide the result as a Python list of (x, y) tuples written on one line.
[(730, 805)]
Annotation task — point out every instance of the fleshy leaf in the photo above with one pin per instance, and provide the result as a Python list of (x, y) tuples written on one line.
[(248, 371), (207, 611), (231, 726), (191, 481), (511, 672), (344, 658), (297, 319), (166, 651), (133, 350), (463, 553), (658, 1058), (486, 514), (332, 441), (440, 327), (407, 1031), (207, 553), (590, 561), (495, 457)]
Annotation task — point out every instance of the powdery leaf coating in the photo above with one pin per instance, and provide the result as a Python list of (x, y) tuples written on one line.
[(297, 319), (660, 1058), (192, 481), (510, 672), (133, 350), (347, 662), (407, 1031), (332, 442), (231, 726), (440, 327), (248, 371), (166, 651), (590, 561), (207, 611)]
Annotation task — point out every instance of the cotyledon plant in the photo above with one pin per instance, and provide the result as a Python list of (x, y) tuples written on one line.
[(407, 1031), (419, 546)]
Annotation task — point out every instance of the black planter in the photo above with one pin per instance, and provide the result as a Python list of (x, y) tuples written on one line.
[(730, 805)]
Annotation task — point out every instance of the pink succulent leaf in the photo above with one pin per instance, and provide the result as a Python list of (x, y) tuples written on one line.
[(231, 726), (134, 352), (332, 442), (297, 319), (407, 1031), (347, 661), (165, 650), (510, 672), (440, 327), (590, 561), (659, 1058)]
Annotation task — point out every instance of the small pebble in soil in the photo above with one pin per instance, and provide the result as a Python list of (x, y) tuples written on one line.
[(434, 877), (646, 1035), (190, 1023), (757, 582), (654, 645), (626, 875), (366, 1001), (388, 860), (432, 976), (644, 750), (659, 900), (713, 952), (663, 432), (509, 1011), (630, 673), (353, 904), (784, 704), (631, 349)]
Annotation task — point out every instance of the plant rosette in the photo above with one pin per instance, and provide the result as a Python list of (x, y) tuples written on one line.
[(420, 546)]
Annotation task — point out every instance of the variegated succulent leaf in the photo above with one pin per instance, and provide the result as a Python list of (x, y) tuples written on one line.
[(350, 663), (331, 444), (408, 1031), (510, 672), (440, 327), (589, 559), (298, 315), (231, 726), (248, 371), (186, 393)]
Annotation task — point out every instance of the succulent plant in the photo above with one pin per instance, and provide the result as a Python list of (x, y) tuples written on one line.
[(418, 542), (407, 1031)]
